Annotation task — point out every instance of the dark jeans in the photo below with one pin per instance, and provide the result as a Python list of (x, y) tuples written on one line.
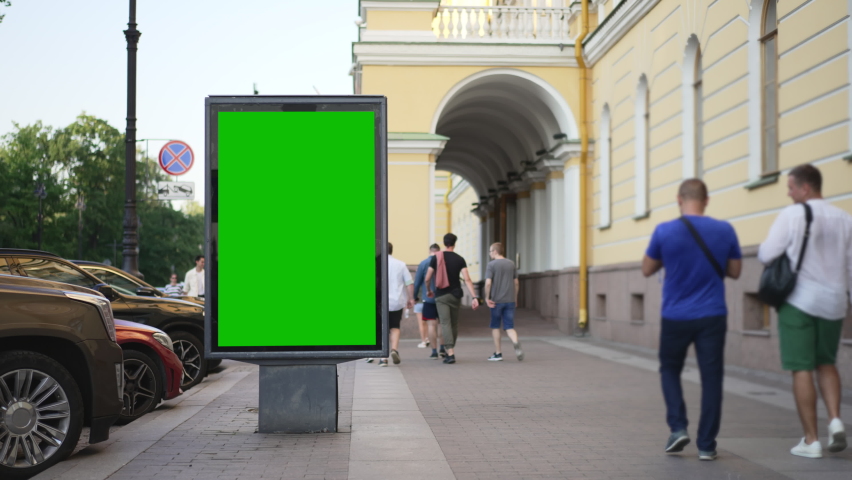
[(708, 334)]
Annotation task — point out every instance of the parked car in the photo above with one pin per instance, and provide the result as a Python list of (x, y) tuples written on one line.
[(183, 321), (128, 283), (119, 278), (152, 371), (60, 369)]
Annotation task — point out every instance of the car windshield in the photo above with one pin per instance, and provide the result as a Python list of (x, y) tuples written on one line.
[(123, 291), (55, 271), (113, 279)]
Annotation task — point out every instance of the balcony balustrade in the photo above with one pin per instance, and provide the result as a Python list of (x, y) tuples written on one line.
[(502, 24)]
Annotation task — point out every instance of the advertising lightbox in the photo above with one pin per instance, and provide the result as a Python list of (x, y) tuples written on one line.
[(296, 227)]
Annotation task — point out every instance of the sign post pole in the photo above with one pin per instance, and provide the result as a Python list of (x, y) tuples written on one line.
[(281, 239)]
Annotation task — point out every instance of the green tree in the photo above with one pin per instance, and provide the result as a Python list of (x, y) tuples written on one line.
[(83, 164), (4, 3)]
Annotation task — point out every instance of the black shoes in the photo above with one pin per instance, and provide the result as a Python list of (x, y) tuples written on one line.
[(450, 359)]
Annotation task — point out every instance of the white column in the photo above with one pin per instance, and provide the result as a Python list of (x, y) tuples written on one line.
[(483, 245), (555, 190), (571, 237), (539, 218), (522, 232), (511, 226)]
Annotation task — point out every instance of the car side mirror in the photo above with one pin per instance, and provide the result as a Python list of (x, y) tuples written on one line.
[(146, 291), (108, 292)]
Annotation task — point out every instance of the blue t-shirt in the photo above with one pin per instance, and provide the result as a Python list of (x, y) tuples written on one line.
[(692, 288), (420, 281)]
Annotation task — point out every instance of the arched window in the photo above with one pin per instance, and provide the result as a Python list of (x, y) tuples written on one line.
[(605, 169), (641, 141), (698, 99), (769, 87)]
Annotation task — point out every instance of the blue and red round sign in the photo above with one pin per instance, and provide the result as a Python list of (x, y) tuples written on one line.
[(176, 157)]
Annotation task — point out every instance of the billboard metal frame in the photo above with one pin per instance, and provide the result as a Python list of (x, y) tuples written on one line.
[(263, 103)]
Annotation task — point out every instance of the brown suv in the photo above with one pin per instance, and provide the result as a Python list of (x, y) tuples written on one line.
[(60, 369)]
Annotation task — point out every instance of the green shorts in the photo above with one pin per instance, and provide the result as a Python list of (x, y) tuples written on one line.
[(807, 341)]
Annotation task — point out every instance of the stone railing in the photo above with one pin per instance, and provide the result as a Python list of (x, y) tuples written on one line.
[(502, 24)]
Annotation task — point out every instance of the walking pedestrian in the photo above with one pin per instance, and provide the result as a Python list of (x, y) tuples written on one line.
[(816, 236), (173, 289), (194, 279), (501, 296), (429, 315), (418, 303), (447, 267), (697, 253), (399, 283)]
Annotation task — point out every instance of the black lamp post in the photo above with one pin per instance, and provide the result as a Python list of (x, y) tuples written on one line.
[(130, 251), (40, 193)]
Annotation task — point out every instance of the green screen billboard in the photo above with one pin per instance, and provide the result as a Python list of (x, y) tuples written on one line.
[(296, 227)]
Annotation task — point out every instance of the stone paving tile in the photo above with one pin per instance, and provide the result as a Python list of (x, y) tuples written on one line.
[(220, 442), (563, 414)]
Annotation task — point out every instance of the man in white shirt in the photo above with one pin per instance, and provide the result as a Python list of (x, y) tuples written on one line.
[(399, 282), (194, 280), (810, 322)]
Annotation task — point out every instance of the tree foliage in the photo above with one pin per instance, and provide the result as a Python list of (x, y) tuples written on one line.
[(82, 165), (4, 3)]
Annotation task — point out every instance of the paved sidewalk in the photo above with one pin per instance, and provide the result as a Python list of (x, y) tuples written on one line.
[(574, 408)]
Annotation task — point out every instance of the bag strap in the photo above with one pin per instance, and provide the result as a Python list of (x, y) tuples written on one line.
[(809, 217), (700, 241)]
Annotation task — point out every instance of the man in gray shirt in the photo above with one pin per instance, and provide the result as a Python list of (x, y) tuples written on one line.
[(501, 295)]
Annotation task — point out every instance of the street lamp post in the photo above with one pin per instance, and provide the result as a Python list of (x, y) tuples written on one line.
[(40, 193), (130, 251), (80, 206)]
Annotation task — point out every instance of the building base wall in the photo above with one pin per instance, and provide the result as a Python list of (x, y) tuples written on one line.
[(624, 307)]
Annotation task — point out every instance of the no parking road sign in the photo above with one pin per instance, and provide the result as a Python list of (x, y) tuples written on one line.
[(176, 157)]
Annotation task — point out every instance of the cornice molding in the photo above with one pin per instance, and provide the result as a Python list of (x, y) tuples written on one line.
[(416, 6), (432, 147), (457, 190), (419, 36), (465, 54), (616, 25)]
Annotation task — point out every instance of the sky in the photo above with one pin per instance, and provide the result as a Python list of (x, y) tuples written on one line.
[(61, 58)]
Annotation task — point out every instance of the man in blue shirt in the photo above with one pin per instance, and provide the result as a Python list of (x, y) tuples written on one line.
[(697, 252), (430, 309)]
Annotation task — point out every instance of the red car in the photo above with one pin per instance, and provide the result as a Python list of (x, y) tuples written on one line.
[(152, 371)]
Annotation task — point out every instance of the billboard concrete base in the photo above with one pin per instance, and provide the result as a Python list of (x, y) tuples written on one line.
[(298, 399)]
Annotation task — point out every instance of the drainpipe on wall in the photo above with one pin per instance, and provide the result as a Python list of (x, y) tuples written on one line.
[(582, 323), (448, 205)]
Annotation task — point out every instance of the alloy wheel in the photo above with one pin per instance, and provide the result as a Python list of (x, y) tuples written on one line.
[(140, 385), (190, 357), (35, 417)]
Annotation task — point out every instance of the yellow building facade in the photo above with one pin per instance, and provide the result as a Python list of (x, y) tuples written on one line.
[(735, 92)]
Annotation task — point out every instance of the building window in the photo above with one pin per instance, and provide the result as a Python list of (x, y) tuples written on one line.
[(698, 98), (600, 306), (637, 308), (605, 170), (755, 314), (641, 141), (769, 88)]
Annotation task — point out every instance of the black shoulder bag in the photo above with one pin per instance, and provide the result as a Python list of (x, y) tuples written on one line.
[(719, 270), (779, 279)]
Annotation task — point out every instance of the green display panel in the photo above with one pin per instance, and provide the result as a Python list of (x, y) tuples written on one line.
[(296, 228)]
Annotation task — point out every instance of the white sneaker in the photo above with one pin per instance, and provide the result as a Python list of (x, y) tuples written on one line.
[(813, 450), (836, 436), (422, 344)]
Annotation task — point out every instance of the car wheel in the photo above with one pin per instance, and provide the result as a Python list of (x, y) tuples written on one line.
[(41, 413), (143, 386), (190, 351)]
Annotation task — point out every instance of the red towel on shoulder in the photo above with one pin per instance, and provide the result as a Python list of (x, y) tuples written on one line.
[(442, 280)]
